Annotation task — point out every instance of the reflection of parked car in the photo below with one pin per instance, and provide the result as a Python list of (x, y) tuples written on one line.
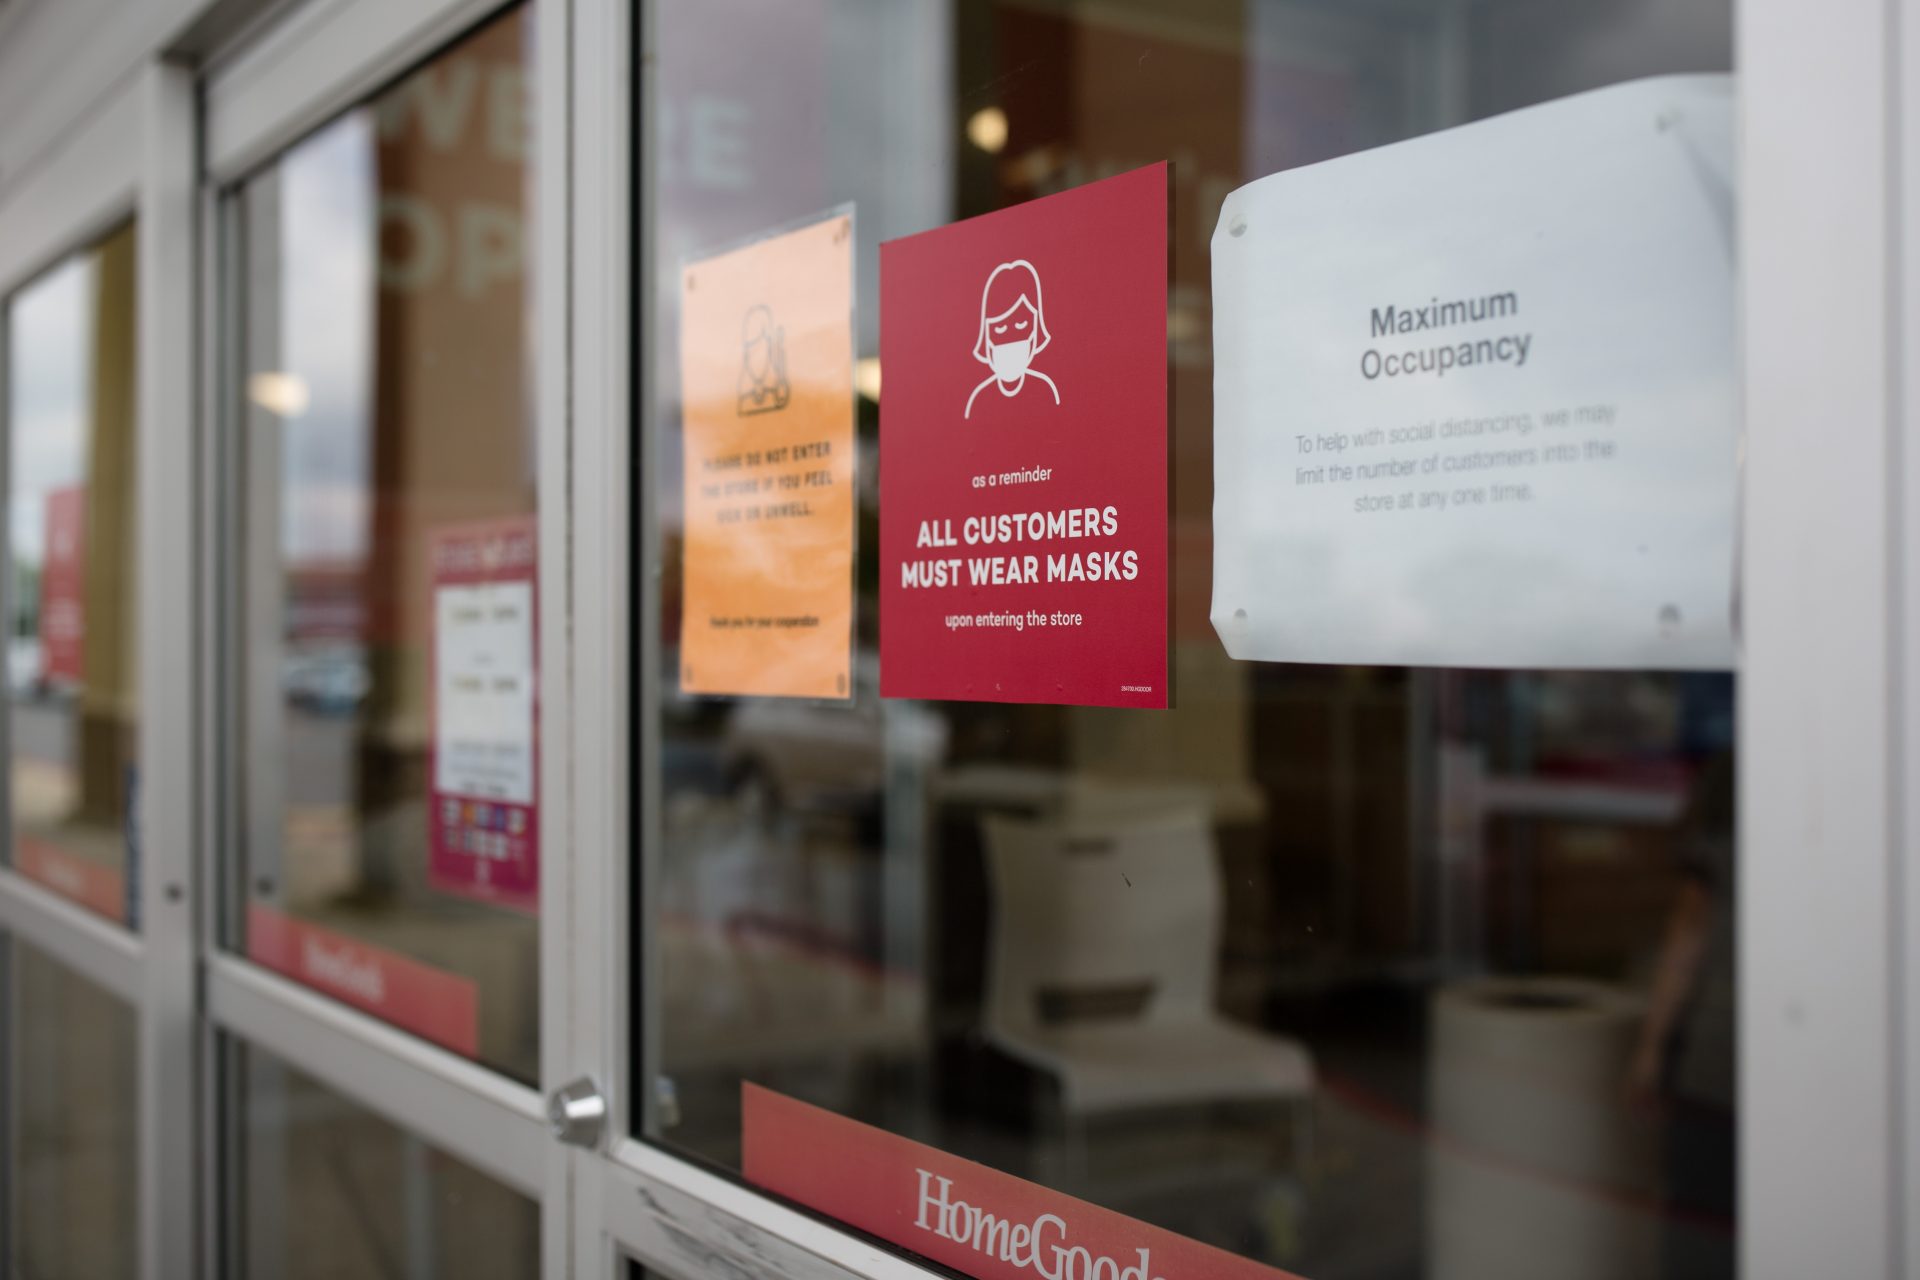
[(794, 751), (23, 665), (332, 683)]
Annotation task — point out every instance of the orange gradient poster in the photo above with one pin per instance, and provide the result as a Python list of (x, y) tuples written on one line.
[(766, 372)]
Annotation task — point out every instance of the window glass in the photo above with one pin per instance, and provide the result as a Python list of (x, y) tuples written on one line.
[(72, 641), (835, 885), (72, 1050), (326, 1188), (386, 592)]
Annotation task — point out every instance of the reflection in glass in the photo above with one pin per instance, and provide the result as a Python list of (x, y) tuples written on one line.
[(72, 643), (386, 403), (1437, 974), (328, 1189), (71, 1057)]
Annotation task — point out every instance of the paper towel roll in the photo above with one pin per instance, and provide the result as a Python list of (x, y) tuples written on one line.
[(1535, 1167)]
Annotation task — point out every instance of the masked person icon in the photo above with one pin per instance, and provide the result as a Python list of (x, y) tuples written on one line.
[(1013, 330), (763, 385)]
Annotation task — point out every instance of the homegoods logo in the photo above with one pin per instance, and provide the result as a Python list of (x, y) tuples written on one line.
[(1040, 1246)]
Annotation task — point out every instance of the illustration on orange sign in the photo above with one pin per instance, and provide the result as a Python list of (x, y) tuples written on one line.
[(766, 370)]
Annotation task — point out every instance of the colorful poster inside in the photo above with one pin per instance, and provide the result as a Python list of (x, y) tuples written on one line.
[(483, 813), (974, 1219), (766, 369), (1495, 425), (1023, 468)]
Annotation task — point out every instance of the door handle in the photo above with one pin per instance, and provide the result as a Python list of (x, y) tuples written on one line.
[(577, 1113)]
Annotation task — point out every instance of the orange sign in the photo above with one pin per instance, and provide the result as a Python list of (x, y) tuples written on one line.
[(766, 372)]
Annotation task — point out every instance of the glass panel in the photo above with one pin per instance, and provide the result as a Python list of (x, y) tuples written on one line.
[(386, 584), (326, 1189), (71, 1058), (827, 909), (72, 641)]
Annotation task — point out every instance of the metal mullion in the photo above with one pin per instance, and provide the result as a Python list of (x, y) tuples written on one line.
[(552, 159), (1904, 476), (600, 234), (166, 456), (464, 1109), (1819, 856), (218, 790), (9, 1106), (9, 1003), (94, 947), (642, 530)]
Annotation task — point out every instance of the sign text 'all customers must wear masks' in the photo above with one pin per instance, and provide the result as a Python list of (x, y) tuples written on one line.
[(1023, 462)]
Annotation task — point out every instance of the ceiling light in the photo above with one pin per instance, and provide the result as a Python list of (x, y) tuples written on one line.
[(282, 393), (987, 129)]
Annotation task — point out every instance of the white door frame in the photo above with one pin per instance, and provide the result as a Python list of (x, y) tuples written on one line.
[(1824, 838)]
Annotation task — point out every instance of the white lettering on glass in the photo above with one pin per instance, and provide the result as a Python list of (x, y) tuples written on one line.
[(337, 967), (1043, 1246)]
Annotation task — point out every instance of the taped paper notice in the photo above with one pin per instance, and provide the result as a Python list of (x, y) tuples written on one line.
[(483, 816), (766, 371), (1474, 394)]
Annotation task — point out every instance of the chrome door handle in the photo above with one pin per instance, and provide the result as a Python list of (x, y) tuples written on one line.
[(577, 1113)]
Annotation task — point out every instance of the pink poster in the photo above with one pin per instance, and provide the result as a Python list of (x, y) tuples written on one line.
[(63, 584), (1023, 452), (483, 811)]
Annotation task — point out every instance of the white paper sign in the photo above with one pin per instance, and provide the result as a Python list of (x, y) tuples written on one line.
[(1474, 394), (483, 666)]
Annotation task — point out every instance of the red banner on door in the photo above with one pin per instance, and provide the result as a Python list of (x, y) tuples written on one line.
[(1023, 459), (100, 889), (63, 584), (432, 1003), (976, 1220)]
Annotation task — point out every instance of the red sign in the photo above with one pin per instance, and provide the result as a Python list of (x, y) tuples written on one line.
[(100, 889), (1023, 459), (432, 1003), (977, 1220), (483, 758), (63, 583)]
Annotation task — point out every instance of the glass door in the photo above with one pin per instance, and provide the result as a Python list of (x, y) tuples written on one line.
[(454, 357), (402, 873), (376, 981), (1435, 913), (95, 997)]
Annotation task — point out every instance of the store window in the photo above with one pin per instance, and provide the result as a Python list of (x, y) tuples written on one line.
[(386, 596), (72, 636), (71, 1119), (327, 1188), (1453, 949)]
